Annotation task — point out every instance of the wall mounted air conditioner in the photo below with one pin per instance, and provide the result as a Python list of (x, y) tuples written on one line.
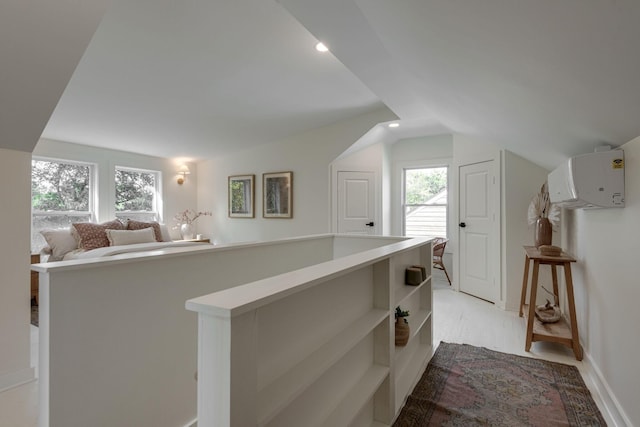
[(594, 180)]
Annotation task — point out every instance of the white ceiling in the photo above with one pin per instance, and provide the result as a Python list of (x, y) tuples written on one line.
[(201, 78), (544, 78)]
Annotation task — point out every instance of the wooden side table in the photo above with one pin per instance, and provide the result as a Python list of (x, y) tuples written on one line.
[(35, 259), (563, 331)]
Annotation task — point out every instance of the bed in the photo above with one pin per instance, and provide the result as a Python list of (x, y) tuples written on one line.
[(90, 240)]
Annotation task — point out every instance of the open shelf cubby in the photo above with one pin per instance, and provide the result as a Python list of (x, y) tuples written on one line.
[(325, 355), (278, 394), (357, 397)]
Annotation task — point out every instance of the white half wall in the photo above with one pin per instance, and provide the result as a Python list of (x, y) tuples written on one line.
[(15, 174), (176, 197), (606, 243), (307, 155)]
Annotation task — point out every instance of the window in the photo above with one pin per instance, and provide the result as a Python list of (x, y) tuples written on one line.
[(61, 193), (137, 193), (425, 202)]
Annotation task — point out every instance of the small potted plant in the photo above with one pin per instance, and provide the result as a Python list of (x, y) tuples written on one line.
[(402, 327)]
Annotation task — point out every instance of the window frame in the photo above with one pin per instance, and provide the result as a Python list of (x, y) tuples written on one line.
[(403, 186), (93, 189), (157, 197)]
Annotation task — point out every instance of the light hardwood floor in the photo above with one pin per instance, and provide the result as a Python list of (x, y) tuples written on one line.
[(457, 318)]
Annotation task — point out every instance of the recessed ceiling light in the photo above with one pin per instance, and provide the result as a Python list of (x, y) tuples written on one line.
[(320, 47), (394, 125)]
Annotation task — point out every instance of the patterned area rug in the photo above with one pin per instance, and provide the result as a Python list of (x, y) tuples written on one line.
[(471, 386)]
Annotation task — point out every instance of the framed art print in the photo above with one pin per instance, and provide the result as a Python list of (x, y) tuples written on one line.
[(277, 191), (241, 191)]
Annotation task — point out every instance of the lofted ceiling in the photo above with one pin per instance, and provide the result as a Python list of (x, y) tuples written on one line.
[(545, 79), (202, 78)]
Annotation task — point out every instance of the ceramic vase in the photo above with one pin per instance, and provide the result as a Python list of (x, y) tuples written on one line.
[(186, 231), (543, 232), (402, 332)]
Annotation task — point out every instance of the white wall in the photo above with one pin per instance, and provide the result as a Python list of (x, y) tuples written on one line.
[(47, 41), (176, 197), (606, 244), (521, 180), (387, 190), (15, 175), (307, 155)]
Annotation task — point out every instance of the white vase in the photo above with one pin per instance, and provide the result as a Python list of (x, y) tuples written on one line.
[(186, 230)]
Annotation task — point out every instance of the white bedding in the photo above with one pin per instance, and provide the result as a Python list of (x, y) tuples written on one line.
[(125, 249)]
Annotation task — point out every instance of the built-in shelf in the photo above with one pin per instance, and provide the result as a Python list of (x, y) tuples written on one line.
[(312, 371), (417, 322), (405, 354), (357, 397), (405, 291), (281, 392), (409, 374), (410, 360)]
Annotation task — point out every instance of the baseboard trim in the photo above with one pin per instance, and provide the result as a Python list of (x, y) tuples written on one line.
[(17, 378), (601, 387), (192, 423)]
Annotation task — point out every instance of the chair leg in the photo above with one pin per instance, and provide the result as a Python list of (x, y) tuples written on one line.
[(446, 274), (440, 266)]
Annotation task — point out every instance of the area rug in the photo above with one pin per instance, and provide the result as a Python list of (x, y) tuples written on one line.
[(465, 385)]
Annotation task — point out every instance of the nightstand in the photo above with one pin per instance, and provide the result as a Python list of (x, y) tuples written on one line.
[(35, 259)]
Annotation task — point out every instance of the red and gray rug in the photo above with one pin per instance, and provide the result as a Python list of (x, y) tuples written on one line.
[(465, 385)]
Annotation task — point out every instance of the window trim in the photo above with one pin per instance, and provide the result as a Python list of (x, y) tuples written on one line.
[(426, 164), (93, 187), (157, 197), (93, 191)]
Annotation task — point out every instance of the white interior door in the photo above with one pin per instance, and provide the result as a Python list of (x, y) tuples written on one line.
[(356, 203), (479, 230)]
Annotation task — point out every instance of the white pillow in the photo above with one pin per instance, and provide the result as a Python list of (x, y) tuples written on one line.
[(61, 241), (130, 237), (166, 235)]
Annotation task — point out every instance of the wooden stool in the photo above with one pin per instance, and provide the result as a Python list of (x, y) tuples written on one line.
[(561, 331)]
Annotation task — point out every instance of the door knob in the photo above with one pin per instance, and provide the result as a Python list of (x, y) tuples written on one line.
[(369, 224), (462, 224)]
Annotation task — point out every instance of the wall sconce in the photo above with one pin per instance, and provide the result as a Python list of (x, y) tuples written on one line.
[(183, 171)]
